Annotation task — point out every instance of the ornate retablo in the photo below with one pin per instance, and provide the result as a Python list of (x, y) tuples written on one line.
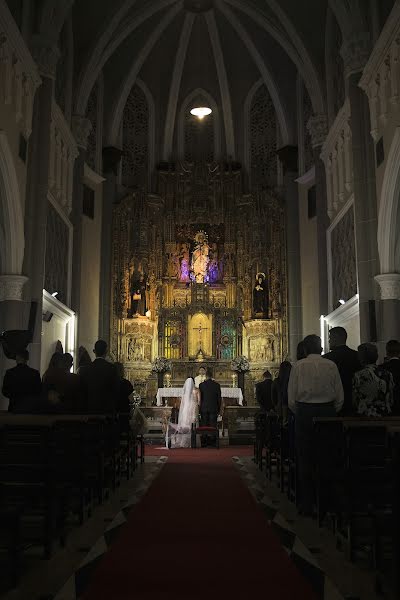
[(199, 276)]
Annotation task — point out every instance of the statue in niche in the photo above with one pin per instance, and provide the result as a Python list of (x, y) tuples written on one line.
[(260, 297), (213, 268), (138, 295), (200, 258), (134, 350), (270, 350), (173, 265), (184, 268)]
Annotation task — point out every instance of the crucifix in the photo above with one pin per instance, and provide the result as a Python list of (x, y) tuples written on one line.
[(200, 329)]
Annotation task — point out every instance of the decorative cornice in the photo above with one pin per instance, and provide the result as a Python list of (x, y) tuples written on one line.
[(10, 31), (46, 56), (341, 118), (389, 284), (81, 128), (355, 52), (317, 127), (381, 49), (11, 287), (61, 123)]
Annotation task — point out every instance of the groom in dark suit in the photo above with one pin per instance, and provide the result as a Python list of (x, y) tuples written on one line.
[(210, 404)]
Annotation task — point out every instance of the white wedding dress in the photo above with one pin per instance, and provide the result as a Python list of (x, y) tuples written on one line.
[(179, 434)]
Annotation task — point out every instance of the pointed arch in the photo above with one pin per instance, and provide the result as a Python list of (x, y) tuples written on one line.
[(181, 122), (116, 114), (175, 85)]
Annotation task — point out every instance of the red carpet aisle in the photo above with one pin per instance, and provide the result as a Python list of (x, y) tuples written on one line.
[(197, 533)]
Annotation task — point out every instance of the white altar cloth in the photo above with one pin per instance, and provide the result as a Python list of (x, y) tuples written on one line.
[(171, 392)]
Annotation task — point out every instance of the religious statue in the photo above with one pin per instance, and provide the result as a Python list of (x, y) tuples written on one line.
[(138, 296), (184, 263), (200, 257), (260, 297), (134, 350)]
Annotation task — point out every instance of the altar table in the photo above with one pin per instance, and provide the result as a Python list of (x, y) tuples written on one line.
[(226, 392)]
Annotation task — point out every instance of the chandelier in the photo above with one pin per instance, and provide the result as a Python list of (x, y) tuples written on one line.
[(200, 111)]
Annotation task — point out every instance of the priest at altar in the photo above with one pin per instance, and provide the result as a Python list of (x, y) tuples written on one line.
[(234, 394)]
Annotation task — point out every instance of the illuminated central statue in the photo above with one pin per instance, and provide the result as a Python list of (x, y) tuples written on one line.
[(200, 258)]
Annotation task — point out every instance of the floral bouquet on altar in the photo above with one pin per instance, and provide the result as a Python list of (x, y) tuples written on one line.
[(161, 365), (240, 364)]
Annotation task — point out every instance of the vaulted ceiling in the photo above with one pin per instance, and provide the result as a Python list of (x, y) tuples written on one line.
[(221, 46)]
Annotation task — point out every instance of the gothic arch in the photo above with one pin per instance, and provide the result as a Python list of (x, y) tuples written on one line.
[(181, 122), (118, 133), (389, 211), (13, 244)]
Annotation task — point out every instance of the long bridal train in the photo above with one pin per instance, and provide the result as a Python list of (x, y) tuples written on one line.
[(179, 434)]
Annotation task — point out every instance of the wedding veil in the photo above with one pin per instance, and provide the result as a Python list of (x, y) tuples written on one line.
[(185, 410), (179, 434)]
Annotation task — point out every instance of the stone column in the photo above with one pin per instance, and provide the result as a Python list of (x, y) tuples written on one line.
[(111, 159), (355, 53), (288, 157), (81, 128), (14, 313), (389, 322), (318, 128), (37, 188)]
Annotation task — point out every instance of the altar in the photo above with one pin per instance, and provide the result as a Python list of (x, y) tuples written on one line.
[(226, 393)]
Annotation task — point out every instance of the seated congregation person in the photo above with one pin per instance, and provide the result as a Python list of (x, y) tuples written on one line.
[(54, 369), (125, 389), (392, 364), (347, 363), (22, 386), (372, 385), (101, 382), (62, 390), (315, 390), (264, 392), (280, 390), (84, 360)]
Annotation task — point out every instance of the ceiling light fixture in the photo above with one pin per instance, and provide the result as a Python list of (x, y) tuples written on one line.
[(200, 111)]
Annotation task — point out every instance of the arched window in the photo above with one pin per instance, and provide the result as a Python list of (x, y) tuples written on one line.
[(135, 138), (262, 125)]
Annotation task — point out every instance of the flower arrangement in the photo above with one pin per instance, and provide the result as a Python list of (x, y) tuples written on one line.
[(161, 365), (240, 364)]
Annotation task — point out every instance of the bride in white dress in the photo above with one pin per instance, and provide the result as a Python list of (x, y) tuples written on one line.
[(179, 435)]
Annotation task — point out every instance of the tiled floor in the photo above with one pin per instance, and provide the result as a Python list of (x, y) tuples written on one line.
[(313, 549), (58, 577)]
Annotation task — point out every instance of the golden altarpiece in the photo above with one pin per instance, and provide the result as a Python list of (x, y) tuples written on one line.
[(199, 277)]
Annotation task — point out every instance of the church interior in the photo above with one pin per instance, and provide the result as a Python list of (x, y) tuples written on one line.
[(200, 209)]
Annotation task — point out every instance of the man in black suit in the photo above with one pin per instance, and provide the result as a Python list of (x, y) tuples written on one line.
[(210, 405), (22, 386), (347, 363), (392, 364), (100, 381), (264, 392)]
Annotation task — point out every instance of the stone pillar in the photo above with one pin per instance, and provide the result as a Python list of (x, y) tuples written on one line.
[(389, 322), (81, 128), (288, 157), (14, 314), (355, 52), (318, 128), (37, 187), (111, 159)]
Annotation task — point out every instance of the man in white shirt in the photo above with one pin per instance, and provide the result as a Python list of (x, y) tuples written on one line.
[(200, 377), (315, 390)]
